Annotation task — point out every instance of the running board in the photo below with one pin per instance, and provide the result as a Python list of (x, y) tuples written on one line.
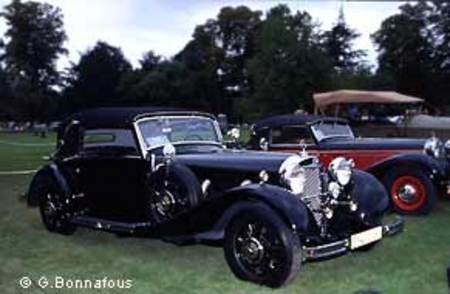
[(108, 225)]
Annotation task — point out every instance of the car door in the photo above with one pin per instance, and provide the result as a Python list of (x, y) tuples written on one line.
[(112, 175), (68, 160)]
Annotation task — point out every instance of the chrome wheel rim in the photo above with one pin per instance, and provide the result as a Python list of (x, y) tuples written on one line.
[(164, 202), (167, 200), (51, 211), (407, 193), (259, 250)]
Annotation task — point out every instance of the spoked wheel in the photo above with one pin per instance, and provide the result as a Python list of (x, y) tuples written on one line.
[(52, 209), (173, 192), (259, 247), (411, 192), (168, 200)]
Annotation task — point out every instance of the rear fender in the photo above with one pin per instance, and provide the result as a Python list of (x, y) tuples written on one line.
[(52, 171), (437, 169)]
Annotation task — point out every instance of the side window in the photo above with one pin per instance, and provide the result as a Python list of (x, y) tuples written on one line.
[(110, 140), (71, 139), (290, 135), (92, 139)]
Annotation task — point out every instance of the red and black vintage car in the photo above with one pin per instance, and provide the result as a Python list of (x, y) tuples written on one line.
[(414, 171)]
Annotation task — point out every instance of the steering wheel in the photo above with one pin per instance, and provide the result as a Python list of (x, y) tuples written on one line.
[(192, 137)]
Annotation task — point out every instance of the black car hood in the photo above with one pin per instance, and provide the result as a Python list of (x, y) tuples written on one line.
[(239, 160), (373, 143)]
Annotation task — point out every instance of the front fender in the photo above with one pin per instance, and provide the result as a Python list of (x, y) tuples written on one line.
[(369, 193), (49, 170), (431, 165), (288, 206)]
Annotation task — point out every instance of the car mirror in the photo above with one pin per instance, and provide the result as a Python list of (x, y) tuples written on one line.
[(264, 144)]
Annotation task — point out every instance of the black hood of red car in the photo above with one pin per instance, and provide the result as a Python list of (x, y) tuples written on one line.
[(373, 143)]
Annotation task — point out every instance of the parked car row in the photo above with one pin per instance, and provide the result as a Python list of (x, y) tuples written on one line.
[(165, 173), (35, 127)]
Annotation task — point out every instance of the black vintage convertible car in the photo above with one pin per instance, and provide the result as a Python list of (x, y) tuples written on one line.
[(414, 171), (165, 174)]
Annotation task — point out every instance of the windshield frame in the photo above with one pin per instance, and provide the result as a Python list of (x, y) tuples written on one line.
[(145, 149), (325, 138)]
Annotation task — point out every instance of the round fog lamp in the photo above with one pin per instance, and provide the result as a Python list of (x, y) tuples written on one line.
[(334, 189)]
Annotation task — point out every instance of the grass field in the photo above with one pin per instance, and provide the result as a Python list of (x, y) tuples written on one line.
[(413, 262)]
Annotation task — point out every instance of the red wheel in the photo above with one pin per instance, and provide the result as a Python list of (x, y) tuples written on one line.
[(411, 190), (408, 193)]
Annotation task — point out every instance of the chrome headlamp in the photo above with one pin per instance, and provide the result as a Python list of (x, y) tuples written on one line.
[(447, 147), (434, 147), (293, 173), (341, 170)]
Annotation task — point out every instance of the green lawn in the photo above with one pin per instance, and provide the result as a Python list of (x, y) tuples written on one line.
[(413, 262)]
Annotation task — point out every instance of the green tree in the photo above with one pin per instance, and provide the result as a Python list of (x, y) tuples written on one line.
[(33, 41), (438, 13), (217, 56), (94, 81), (338, 44), (360, 76), (150, 61), (202, 57), (163, 85), (288, 65), (405, 46), (350, 70), (7, 109)]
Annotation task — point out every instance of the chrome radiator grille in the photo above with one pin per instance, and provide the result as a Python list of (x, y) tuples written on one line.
[(312, 191), (313, 183)]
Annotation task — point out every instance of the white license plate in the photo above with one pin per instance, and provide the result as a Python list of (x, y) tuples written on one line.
[(366, 237)]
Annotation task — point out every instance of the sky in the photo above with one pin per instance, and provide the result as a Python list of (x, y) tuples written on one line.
[(165, 26)]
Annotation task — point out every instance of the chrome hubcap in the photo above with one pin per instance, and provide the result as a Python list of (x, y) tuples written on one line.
[(407, 193), (253, 250), (52, 211), (259, 249), (50, 208), (165, 203)]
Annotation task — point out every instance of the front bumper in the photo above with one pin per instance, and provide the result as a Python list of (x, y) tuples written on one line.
[(342, 246)]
